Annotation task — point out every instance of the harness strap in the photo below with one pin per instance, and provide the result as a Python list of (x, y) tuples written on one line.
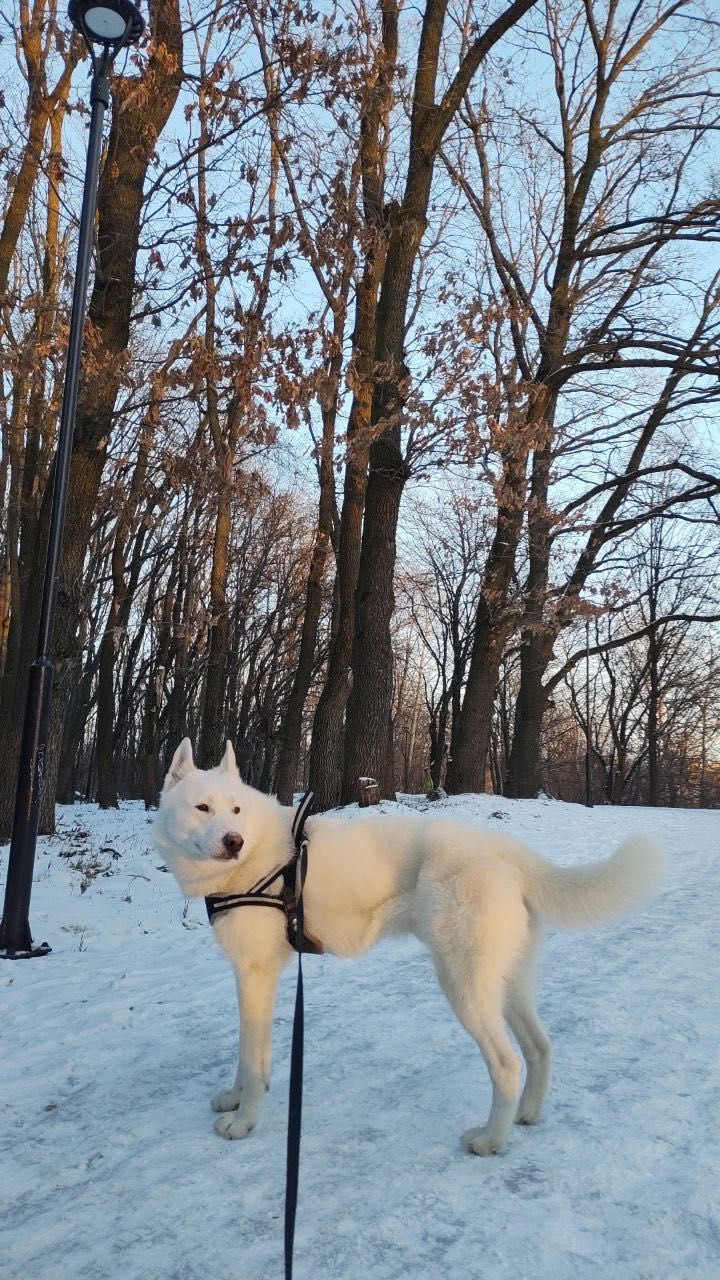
[(217, 903), (294, 879), (301, 814)]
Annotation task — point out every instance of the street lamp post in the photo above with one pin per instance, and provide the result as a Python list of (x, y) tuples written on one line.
[(107, 26)]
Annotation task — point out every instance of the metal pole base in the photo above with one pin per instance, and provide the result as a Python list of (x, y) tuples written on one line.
[(42, 950)]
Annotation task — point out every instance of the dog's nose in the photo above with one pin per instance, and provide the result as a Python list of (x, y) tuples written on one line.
[(233, 842)]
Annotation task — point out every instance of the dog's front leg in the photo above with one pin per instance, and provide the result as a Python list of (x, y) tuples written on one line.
[(256, 986), (229, 1099)]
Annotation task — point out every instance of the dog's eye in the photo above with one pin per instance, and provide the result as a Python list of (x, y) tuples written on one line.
[(236, 809), (204, 808)]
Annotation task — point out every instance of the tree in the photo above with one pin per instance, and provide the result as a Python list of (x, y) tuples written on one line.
[(585, 274), (39, 40), (141, 106), (369, 706), (442, 584), (375, 100), (649, 682)]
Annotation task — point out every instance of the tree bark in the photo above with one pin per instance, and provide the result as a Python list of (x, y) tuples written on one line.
[(470, 734), (653, 664), (120, 604), (154, 693), (523, 773), (292, 726), (326, 745), (182, 622), (212, 724), (370, 702)]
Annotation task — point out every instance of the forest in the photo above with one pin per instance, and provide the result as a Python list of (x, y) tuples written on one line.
[(396, 442)]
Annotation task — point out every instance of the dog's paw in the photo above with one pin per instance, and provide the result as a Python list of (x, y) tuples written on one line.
[(226, 1100), (527, 1114), (480, 1142), (234, 1126)]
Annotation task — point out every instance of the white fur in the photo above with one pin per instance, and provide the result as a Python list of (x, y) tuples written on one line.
[(476, 898)]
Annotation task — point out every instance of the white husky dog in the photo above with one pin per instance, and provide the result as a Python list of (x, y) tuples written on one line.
[(476, 898)]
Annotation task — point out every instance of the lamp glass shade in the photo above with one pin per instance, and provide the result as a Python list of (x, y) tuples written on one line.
[(104, 24), (112, 23)]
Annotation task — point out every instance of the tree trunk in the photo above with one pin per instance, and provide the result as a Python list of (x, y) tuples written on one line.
[(157, 672), (73, 737), (107, 780), (653, 687), (182, 621), (523, 771), (212, 727), (118, 614), (370, 703), (326, 744), (292, 727), (470, 737), (4, 615)]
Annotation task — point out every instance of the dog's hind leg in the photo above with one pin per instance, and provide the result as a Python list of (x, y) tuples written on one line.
[(257, 986), (474, 984), (522, 1015), (485, 1024)]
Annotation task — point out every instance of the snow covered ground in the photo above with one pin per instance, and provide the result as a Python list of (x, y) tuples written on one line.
[(114, 1044)]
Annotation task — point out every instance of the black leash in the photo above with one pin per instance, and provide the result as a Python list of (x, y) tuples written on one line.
[(296, 1054), (290, 901)]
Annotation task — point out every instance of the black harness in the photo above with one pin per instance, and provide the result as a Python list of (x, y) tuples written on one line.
[(293, 878)]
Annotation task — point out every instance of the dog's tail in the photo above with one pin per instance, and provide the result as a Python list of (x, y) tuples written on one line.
[(579, 897)]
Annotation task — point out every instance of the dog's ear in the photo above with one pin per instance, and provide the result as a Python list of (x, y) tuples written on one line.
[(182, 764), (227, 764)]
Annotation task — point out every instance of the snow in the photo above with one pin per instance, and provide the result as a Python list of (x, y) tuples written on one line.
[(114, 1044)]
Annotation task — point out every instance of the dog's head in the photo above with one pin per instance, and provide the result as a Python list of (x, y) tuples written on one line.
[(210, 823)]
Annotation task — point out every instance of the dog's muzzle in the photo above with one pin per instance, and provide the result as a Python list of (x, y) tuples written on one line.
[(232, 844)]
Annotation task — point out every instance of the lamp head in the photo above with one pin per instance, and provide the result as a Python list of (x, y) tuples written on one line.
[(109, 23)]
